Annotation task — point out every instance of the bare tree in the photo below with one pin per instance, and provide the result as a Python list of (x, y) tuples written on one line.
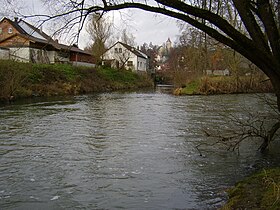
[(252, 125), (127, 38), (100, 30)]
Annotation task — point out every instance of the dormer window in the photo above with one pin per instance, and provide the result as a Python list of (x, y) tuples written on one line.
[(10, 30)]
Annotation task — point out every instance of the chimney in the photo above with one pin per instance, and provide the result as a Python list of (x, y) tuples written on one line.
[(16, 19)]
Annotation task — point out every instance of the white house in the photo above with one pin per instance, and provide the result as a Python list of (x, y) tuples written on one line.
[(4, 53), (121, 55)]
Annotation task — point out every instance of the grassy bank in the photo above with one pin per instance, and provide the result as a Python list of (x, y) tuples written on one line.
[(226, 85), (259, 191), (26, 80)]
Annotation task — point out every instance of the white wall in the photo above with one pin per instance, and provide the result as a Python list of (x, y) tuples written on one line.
[(75, 63), (23, 54), (4, 54), (20, 54), (142, 64), (51, 55), (139, 63)]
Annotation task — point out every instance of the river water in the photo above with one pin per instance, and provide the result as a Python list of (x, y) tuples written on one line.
[(121, 151)]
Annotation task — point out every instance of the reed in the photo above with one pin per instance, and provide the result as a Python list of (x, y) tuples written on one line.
[(226, 85)]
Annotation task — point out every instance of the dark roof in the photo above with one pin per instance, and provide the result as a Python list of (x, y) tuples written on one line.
[(33, 39), (35, 34), (71, 48), (36, 29), (4, 48)]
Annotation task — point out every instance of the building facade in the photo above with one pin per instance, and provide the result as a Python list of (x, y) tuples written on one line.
[(123, 56), (27, 43)]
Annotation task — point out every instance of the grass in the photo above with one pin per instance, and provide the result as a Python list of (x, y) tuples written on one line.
[(119, 75), (227, 84), (191, 88), (259, 191), (25, 79)]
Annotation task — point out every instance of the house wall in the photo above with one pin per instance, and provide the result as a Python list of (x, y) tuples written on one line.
[(5, 30), (61, 57), (41, 56), (51, 55), (141, 64), (20, 54), (15, 41), (133, 59), (4, 53), (85, 64), (79, 57), (33, 55), (124, 55), (121, 56)]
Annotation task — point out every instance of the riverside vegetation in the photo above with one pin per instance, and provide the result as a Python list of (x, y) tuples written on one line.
[(19, 80), (226, 85), (259, 191)]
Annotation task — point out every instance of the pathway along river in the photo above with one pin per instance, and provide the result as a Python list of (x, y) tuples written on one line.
[(120, 150)]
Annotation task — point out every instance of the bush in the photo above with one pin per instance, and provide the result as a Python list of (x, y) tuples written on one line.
[(13, 76), (259, 191), (228, 84)]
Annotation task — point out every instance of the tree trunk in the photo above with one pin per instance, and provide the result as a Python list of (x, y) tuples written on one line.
[(269, 136), (275, 80)]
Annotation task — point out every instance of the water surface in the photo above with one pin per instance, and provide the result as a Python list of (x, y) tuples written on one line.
[(120, 150)]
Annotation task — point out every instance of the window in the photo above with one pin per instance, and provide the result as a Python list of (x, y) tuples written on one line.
[(129, 63), (116, 50), (0, 30), (120, 50), (10, 30)]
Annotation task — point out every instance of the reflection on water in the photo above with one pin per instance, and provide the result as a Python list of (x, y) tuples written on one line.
[(119, 150)]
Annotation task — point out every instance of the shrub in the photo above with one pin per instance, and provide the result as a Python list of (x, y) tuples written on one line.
[(13, 76)]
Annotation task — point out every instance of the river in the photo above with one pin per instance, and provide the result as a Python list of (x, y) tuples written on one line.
[(133, 150)]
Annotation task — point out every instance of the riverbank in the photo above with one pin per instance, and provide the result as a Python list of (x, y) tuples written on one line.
[(21, 80), (225, 85), (259, 191)]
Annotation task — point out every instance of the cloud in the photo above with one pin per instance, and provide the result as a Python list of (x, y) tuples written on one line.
[(154, 28), (149, 27)]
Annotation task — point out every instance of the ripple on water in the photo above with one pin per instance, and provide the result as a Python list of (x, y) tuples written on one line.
[(119, 150)]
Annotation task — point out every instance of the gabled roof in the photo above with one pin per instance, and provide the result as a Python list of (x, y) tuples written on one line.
[(33, 31), (32, 39), (19, 29), (131, 49), (35, 34), (4, 48)]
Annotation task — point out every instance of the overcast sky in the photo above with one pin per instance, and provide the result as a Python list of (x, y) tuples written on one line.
[(145, 26)]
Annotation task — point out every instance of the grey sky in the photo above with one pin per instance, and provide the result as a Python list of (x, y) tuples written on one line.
[(146, 27)]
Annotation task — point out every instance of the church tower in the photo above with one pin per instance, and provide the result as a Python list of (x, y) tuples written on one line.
[(168, 45)]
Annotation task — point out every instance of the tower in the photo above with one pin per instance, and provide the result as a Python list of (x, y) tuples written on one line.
[(168, 45)]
